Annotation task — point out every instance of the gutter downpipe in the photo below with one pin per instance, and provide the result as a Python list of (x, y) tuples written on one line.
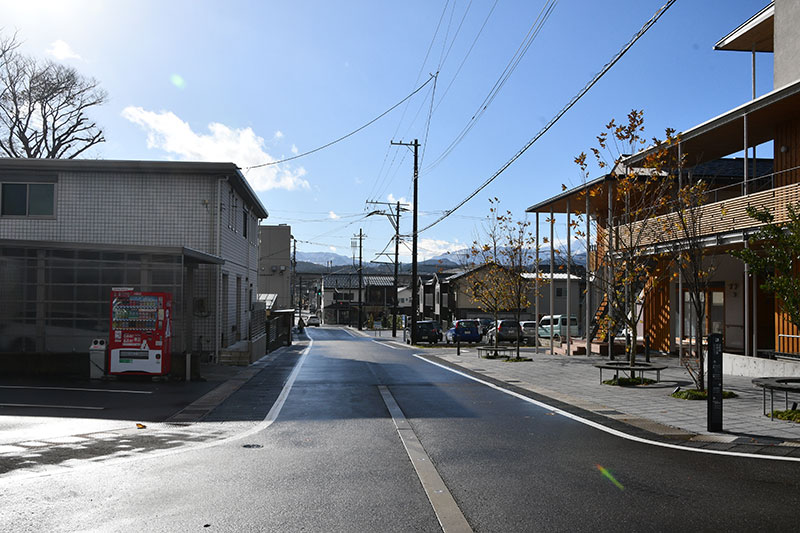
[(218, 318)]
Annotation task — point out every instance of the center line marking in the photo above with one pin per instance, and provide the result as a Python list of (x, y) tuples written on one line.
[(444, 506)]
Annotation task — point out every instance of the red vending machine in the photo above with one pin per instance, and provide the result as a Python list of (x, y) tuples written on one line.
[(141, 331)]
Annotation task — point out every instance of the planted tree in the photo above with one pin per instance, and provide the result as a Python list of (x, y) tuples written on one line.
[(696, 264), (499, 257), (630, 269)]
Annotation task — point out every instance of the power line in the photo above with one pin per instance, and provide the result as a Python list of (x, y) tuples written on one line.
[(533, 32), (561, 113), (418, 89)]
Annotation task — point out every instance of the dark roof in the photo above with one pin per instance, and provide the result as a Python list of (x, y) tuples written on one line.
[(223, 170), (350, 281), (732, 168)]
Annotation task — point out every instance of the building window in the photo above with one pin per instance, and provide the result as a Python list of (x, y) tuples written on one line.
[(28, 199), (559, 292), (245, 220)]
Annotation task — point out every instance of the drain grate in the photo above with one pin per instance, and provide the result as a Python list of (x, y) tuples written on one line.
[(252, 446)]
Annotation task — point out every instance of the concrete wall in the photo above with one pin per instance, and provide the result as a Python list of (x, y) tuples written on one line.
[(274, 263), (787, 42), (739, 365)]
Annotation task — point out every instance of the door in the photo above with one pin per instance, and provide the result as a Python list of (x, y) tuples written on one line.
[(714, 319)]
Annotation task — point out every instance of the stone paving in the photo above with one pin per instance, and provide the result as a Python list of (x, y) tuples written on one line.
[(575, 381)]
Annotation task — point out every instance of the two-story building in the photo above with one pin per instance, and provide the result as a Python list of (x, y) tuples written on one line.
[(749, 318), (71, 230)]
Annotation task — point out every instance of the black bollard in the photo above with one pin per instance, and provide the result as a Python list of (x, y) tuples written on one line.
[(458, 345)]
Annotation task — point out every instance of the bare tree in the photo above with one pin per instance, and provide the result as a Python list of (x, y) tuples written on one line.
[(43, 107)]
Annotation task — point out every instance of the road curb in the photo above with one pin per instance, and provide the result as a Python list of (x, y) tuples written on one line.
[(203, 406)]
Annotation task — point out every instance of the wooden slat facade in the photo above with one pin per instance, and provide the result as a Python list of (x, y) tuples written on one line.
[(657, 316), (718, 217)]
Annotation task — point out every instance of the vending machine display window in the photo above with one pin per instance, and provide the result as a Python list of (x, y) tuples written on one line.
[(141, 324)]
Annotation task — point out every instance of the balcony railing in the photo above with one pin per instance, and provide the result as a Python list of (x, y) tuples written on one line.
[(711, 219)]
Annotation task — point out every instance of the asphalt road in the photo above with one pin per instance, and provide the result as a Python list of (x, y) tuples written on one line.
[(333, 460)]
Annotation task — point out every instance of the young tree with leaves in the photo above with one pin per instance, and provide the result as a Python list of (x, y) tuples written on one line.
[(499, 257), (629, 270)]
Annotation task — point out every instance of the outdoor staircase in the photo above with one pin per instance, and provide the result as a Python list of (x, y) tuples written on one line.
[(236, 355)]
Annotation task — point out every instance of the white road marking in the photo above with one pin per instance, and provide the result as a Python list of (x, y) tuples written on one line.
[(607, 429), (76, 389), (44, 406), (103, 462), (444, 506), (385, 344)]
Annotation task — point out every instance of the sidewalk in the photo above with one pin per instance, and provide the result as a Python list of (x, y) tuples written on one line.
[(575, 381)]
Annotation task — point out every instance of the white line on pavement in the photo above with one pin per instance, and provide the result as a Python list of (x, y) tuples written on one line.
[(76, 389), (385, 344), (444, 505), (86, 407), (608, 429)]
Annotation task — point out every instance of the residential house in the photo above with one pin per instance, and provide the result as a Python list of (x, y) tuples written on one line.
[(340, 298), (70, 230)]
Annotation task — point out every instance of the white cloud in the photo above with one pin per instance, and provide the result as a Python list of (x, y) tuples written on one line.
[(391, 199), (433, 247), (294, 149), (279, 134), (167, 132), (61, 51), (333, 216), (332, 248)]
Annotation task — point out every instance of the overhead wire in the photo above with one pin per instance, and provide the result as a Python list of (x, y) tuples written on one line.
[(343, 137), (561, 113), (533, 32)]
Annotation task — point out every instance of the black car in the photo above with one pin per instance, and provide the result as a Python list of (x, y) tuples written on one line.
[(427, 331)]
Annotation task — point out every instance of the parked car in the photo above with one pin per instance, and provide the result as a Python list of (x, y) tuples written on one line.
[(528, 331), (504, 330), (438, 327), (313, 321), (463, 331), (485, 323), (559, 326), (427, 331)]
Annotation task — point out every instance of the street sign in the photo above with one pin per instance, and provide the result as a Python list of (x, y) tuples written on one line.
[(715, 382)]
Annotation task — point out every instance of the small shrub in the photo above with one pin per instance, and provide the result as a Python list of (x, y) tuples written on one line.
[(792, 415), (628, 382), (694, 394), (518, 359)]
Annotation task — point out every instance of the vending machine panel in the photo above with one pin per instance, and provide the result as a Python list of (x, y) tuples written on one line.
[(141, 332)]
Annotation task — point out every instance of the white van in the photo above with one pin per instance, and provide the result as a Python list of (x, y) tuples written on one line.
[(559, 326)]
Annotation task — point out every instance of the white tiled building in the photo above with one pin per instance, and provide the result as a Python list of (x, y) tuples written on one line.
[(72, 229)]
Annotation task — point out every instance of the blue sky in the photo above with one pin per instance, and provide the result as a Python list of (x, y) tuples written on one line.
[(258, 81)]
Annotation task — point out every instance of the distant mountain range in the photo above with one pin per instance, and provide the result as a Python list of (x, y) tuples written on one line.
[(322, 258)]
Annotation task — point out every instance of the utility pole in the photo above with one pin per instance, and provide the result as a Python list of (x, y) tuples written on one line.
[(360, 279), (414, 294), (396, 223)]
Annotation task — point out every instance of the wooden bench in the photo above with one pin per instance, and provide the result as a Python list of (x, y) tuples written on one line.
[(625, 366), (486, 351), (786, 385)]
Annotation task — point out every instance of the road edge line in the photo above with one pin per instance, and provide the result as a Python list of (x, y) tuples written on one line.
[(447, 511), (607, 429)]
